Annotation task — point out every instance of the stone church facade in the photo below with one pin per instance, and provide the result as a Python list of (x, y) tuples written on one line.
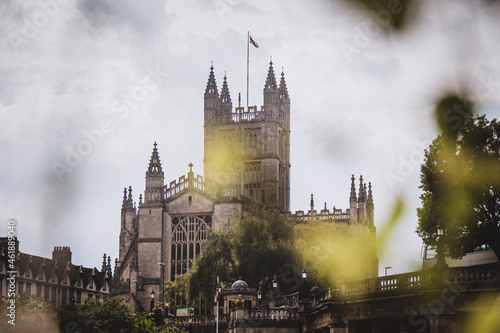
[(246, 159)]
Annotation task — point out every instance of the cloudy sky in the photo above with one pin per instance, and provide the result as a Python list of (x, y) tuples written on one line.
[(128, 73)]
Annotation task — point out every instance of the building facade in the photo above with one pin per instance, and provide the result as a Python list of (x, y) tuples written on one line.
[(246, 159), (57, 280)]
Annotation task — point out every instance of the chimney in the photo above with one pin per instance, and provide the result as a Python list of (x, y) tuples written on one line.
[(61, 254), (10, 244)]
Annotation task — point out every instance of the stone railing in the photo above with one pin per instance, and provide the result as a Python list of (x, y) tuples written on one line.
[(338, 215), (472, 277), (476, 276), (272, 313), (200, 320), (176, 187)]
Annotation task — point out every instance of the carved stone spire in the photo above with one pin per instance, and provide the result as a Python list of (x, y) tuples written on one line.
[(225, 96), (353, 203), (211, 89), (271, 79), (361, 197), (154, 163), (353, 190), (282, 88)]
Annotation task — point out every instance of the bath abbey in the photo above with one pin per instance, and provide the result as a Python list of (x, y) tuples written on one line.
[(246, 159)]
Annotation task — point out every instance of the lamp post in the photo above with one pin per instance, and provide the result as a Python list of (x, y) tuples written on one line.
[(275, 284), (386, 268), (162, 268), (167, 303), (304, 278), (259, 297), (152, 305), (440, 253)]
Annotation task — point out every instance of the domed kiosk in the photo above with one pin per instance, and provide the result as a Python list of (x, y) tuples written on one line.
[(243, 315), (239, 296)]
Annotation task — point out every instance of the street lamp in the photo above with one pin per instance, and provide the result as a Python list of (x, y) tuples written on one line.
[(152, 301), (259, 294), (162, 268), (167, 303), (440, 253), (304, 278), (275, 284), (386, 268)]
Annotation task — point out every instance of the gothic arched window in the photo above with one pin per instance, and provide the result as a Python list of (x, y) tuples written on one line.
[(188, 232)]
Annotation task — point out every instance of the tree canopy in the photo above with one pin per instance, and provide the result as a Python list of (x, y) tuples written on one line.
[(460, 179), (258, 249)]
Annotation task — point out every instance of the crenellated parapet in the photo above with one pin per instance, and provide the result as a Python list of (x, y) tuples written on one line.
[(189, 182), (360, 211), (336, 215)]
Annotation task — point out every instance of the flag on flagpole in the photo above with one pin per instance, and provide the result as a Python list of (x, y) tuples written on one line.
[(254, 43), (217, 289)]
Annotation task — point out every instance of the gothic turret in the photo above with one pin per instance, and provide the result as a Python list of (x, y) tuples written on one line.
[(271, 92), (353, 202), (370, 206), (211, 98), (128, 215), (283, 90), (154, 180), (225, 104), (361, 200)]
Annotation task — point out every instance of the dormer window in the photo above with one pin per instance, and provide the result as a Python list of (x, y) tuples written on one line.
[(91, 283), (79, 282)]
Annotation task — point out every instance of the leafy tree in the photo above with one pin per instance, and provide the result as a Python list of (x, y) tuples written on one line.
[(106, 315), (258, 249), (460, 179), (263, 247), (216, 259)]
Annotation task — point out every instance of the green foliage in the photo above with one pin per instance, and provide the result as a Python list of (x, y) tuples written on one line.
[(461, 188), (216, 259), (388, 13), (263, 247), (30, 312), (106, 315), (257, 249)]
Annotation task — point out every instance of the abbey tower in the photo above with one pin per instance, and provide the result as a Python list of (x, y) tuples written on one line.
[(246, 159)]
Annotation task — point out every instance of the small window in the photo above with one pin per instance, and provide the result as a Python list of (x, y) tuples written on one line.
[(430, 252), (190, 200)]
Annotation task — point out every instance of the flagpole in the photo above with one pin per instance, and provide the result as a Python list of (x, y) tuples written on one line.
[(248, 56), (217, 319)]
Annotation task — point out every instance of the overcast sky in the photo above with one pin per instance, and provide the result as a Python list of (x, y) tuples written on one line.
[(361, 103)]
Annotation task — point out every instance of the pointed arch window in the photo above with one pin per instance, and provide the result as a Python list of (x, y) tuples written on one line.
[(188, 232)]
